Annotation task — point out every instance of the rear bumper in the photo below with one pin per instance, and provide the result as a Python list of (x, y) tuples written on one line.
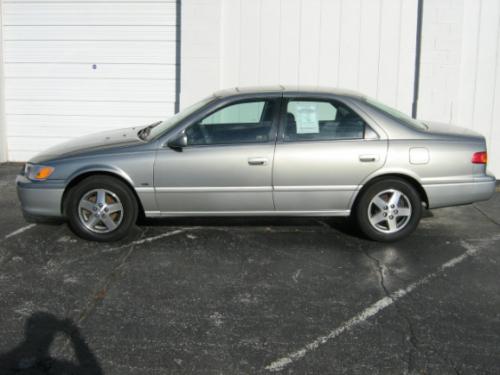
[(453, 194), (40, 199)]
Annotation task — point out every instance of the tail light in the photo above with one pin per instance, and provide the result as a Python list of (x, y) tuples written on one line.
[(480, 157)]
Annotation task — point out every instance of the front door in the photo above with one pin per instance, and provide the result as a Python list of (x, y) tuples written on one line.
[(226, 166), (325, 151)]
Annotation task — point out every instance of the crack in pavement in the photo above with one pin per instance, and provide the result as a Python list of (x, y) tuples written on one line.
[(101, 291), (411, 338), (486, 215)]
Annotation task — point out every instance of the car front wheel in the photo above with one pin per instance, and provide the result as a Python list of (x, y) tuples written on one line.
[(101, 208), (389, 210)]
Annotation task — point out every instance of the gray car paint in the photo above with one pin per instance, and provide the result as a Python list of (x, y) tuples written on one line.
[(298, 178)]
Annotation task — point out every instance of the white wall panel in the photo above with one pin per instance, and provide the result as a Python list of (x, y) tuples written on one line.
[(85, 89), (460, 76), (289, 30), (343, 43), (388, 76), (349, 44), (329, 42), (145, 52), (310, 26), (369, 46), (74, 13), (85, 109), (201, 49), (3, 132), (250, 41), (98, 33), (77, 67), (270, 38), (83, 70)]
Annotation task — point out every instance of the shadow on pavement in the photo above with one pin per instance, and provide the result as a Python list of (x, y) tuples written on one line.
[(32, 356)]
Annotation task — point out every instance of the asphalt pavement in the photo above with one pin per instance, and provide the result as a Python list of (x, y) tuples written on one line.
[(250, 296)]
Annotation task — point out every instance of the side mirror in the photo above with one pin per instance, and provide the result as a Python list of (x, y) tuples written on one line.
[(178, 142)]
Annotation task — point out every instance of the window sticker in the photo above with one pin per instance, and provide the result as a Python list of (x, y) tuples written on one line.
[(306, 116)]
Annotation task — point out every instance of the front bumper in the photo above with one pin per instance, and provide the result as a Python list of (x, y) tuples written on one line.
[(454, 194), (40, 199)]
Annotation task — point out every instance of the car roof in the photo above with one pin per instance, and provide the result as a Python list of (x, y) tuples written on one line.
[(320, 90)]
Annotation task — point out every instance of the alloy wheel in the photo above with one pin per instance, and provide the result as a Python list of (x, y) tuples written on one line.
[(100, 211), (389, 211)]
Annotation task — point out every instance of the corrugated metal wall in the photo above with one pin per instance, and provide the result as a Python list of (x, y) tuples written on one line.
[(76, 67)]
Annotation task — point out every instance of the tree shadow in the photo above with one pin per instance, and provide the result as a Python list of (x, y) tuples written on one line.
[(32, 356)]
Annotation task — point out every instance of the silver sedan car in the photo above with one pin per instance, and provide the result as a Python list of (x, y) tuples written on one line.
[(267, 151)]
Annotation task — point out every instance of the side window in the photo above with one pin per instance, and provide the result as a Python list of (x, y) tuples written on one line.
[(321, 120), (245, 122)]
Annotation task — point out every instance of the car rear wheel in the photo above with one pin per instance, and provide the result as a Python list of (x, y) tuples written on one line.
[(389, 210), (101, 208)]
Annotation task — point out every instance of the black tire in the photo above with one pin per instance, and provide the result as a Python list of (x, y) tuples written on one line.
[(128, 215), (407, 225)]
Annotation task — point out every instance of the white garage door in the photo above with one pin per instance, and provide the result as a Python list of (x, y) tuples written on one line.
[(77, 67)]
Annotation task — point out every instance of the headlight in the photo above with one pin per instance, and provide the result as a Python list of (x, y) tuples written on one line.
[(37, 172)]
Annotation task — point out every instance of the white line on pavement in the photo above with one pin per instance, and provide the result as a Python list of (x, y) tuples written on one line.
[(20, 230), (373, 309)]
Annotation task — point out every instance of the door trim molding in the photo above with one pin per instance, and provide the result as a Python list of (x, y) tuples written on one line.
[(228, 189), (213, 189), (341, 213), (318, 188)]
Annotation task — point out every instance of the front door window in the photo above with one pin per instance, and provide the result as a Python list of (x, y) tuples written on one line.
[(244, 122)]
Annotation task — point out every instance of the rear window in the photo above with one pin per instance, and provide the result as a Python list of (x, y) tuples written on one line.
[(395, 114)]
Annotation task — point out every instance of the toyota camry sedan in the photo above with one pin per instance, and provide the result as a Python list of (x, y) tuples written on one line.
[(262, 152)]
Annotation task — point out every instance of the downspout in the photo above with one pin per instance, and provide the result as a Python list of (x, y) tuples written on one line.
[(418, 47)]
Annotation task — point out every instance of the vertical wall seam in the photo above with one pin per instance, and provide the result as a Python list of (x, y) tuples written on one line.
[(259, 67), (340, 43), (222, 47), (476, 68), (319, 41), (3, 117), (178, 16), (300, 42), (279, 43), (360, 29), (398, 69), (239, 44), (495, 75), (380, 14)]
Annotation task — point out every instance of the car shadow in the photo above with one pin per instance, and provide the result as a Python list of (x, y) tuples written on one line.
[(32, 356), (345, 225)]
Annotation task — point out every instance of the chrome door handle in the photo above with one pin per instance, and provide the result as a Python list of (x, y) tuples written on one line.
[(257, 161), (368, 158)]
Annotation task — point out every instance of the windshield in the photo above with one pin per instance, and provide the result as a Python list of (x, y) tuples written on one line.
[(170, 122), (394, 113)]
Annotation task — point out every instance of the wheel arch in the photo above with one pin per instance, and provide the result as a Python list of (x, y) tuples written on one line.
[(80, 176), (410, 179)]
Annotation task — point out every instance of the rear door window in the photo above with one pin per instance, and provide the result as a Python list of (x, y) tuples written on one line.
[(321, 120)]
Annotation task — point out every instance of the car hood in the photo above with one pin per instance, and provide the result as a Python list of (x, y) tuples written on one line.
[(90, 143), (451, 130)]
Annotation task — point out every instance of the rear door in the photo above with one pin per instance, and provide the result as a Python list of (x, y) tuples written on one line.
[(227, 164), (324, 151)]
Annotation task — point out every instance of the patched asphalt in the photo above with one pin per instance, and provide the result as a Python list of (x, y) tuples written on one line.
[(241, 296)]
